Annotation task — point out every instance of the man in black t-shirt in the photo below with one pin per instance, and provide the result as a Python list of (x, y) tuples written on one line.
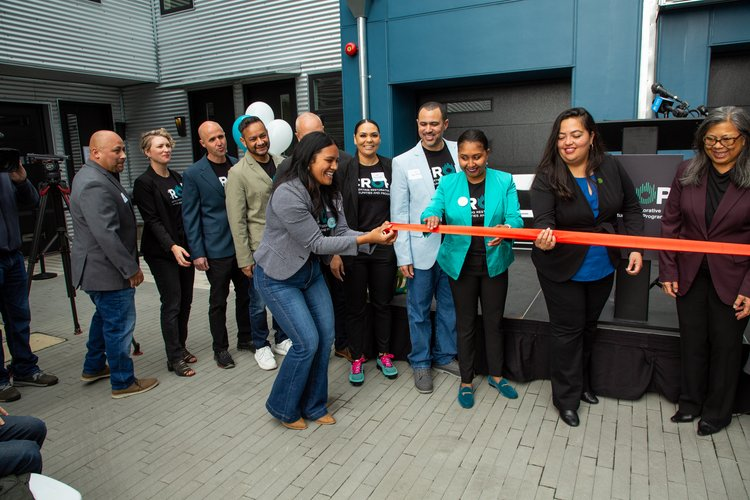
[(211, 247), (416, 174)]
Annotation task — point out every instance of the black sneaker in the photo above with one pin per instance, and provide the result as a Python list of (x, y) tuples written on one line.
[(224, 360), (8, 393), (38, 379)]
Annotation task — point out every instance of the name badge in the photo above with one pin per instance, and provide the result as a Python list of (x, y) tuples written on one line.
[(378, 176), (462, 201), (414, 174)]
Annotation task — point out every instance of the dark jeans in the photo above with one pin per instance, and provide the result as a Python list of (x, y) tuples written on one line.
[(21, 439), (14, 307), (175, 284), (259, 320), (574, 308), (711, 352), (338, 298), (474, 284), (374, 276), (220, 273)]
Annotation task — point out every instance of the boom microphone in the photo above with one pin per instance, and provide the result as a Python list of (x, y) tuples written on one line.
[(658, 89)]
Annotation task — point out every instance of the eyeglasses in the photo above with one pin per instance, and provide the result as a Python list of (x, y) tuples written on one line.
[(727, 142)]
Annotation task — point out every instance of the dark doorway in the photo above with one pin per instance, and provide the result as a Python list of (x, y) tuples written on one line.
[(79, 120), (728, 77), (217, 105), (517, 118), (279, 94)]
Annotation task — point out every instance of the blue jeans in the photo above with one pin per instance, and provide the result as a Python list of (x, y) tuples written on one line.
[(259, 320), (419, 292), (110, 335), (303, 308), (21, 439), (14, 306)]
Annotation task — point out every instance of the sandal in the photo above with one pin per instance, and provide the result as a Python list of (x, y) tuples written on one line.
[(180, 368), (187, 357)]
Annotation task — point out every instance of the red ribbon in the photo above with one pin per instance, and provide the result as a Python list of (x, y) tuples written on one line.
[(580, 238)]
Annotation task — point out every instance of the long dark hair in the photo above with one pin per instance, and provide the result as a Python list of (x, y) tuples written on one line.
[(696, 169), (304, 154), (553, 166)]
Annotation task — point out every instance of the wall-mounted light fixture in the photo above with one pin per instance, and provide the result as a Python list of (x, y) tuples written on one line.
[(181, 124)]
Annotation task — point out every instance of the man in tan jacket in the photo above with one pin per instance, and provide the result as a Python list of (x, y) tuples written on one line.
[(247, 192)]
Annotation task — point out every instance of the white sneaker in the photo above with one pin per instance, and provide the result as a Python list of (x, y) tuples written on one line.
[(282, 348), (264, 358)]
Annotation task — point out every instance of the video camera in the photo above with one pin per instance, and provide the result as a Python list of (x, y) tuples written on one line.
[(10, 159)]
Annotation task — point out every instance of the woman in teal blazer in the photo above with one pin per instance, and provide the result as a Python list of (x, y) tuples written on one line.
[(477, 266)]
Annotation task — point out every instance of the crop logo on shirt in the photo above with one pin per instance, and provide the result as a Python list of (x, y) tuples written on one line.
[(477, 203)]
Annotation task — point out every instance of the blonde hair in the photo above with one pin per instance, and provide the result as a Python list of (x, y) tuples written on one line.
[(147, 137)]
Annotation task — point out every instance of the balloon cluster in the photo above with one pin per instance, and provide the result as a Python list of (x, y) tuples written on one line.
[(279, 132)]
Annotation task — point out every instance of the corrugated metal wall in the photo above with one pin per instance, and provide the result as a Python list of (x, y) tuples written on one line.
[(149, 108), (112, 38), (238, 38), (28, 90), (48, 93)]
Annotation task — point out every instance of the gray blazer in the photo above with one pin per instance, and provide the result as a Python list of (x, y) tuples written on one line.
[(292, 233), (104, 253)]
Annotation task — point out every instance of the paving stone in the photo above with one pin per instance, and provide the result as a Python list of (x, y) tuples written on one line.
[(210, 436)]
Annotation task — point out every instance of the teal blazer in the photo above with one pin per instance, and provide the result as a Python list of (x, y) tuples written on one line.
[(501, 207)]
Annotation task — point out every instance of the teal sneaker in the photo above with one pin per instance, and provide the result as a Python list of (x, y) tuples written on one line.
[(466, 397), (385, 366), (357, 373), (503, 387)]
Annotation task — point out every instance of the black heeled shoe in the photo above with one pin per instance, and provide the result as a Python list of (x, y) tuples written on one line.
[(589, 397), (706, 428), (570, 417), (682, 418)]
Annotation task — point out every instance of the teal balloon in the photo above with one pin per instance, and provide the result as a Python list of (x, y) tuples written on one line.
[(236, 132)]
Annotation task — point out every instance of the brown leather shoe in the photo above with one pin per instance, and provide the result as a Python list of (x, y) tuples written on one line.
[(298, 425), (137, 387), (93, 377), (326, 419)]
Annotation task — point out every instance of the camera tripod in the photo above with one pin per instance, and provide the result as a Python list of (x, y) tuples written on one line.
[(59, 192)]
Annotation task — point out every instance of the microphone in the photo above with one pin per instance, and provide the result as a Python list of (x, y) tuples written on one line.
[(658, 89)]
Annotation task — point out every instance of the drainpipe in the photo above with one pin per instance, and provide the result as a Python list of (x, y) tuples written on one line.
[(359, 9)]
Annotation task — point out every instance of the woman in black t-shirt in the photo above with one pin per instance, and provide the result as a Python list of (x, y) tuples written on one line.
[(158, 195), (365, 188)]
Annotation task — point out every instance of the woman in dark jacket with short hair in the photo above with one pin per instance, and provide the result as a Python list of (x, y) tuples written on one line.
[(710, 200), (158, 195)]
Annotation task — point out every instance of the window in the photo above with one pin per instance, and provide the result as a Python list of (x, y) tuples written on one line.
[(169, 6), (326, 101)]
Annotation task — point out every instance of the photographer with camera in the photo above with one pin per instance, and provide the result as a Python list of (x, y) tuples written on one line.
[(16, 191)]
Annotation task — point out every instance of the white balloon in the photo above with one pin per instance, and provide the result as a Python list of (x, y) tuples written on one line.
[(280, 134), (262, 111)]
